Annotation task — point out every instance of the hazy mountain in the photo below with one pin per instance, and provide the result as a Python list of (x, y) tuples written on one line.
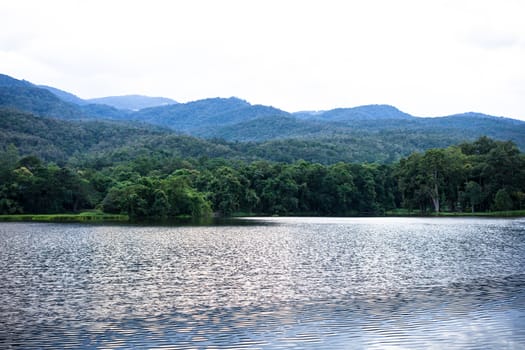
[(369, 112), (126, 102), (29, 98), (203, 114), (64, 95), (100, 111), (371, 133), (7, 81), (51, 102), (263, 128), (108, 141), (133, 102), (104, 143)]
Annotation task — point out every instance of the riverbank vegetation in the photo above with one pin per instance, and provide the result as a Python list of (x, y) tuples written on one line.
[(89, 216), (481, 176)]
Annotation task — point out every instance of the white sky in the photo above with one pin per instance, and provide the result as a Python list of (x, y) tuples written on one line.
[(426, 57)]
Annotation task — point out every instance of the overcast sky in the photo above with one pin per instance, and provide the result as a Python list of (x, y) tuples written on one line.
[(427, 58)]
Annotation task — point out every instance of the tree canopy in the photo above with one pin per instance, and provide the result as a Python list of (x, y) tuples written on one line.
[(482, 175)]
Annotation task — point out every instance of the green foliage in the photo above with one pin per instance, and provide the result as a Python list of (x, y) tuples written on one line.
[(364, 160), (481, 176), (473, 194), (150, 197), (102, 143), (39, 101), (470, 175), (81, 217), (379, 134), (502, 201)]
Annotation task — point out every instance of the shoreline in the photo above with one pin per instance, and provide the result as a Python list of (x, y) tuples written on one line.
[(98, 217), (78, 218)]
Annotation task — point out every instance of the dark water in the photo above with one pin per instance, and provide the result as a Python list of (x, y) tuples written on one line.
[(277, 283)]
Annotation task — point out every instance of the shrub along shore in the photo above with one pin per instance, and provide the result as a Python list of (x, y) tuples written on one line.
[(80, 217), (89, 217)]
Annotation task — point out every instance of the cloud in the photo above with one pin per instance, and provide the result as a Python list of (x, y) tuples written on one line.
[(490, 38), (429, 58)]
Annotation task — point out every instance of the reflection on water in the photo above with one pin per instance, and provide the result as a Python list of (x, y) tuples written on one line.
[(275, 283)]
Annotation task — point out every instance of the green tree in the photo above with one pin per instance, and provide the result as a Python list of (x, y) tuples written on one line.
[(183, 199), (339, 189), (8, 161), (226, 190), (473, 194), (502, 201)]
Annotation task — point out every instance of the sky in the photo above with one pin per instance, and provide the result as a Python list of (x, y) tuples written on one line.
[(426, 57)]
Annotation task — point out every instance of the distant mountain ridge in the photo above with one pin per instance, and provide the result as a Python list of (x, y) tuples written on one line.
[(369, 112), (194, 116), (133, 102), (125, 102), (64, 95), (38, 101), (382, 128), (7, 81)]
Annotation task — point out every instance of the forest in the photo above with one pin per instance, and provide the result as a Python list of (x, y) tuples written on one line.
[(225, 156), (479, 176)]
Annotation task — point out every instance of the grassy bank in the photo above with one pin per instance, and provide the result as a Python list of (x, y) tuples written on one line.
[(89, 216), (509, 213), (96, 216)]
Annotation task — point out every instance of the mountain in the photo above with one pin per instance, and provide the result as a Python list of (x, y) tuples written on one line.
[(126, 102), (267, 127), (100, 111), (204, 114), (64, 95), (42, 102), (369, 112), (51, 102), (413, 133), (110, 142), (370, 133), (104, 141), (7, 81), (132, 102)]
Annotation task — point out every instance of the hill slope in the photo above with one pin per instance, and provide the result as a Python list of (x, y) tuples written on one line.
[(132, 102), (59, 140), (367, 133), (108, 142), (38, 101), (64, 95), (369, 112), (7, 81), (202, 114)]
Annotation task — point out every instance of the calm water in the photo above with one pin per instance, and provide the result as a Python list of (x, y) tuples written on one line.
[(276, 283)]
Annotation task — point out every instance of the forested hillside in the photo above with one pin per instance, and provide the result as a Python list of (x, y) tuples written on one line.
[(371, 133), (225, 155), (371, 112), (480, 176), (38, 101), (103, 140), (112, 140), (132, 102)]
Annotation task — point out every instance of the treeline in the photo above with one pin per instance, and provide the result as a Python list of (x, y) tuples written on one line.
[(483, 175), (479, 176)]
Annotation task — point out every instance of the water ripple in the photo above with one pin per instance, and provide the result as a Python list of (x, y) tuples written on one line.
[(277, 283)]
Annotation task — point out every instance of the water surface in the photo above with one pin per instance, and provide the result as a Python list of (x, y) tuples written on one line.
[(268, 283)]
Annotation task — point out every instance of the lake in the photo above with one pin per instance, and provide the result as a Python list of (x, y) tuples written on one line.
[(265, 283)]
